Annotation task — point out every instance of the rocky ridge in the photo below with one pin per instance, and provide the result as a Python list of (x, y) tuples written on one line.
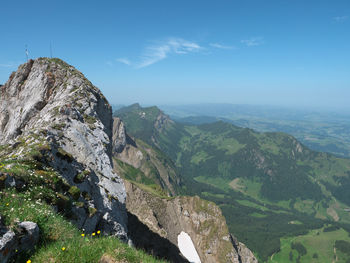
[(147, 123), (142, 156), (57, 131), (167, 217), (200, 219), (50, 108)]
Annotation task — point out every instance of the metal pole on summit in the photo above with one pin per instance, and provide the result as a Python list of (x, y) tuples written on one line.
[(27, 53)]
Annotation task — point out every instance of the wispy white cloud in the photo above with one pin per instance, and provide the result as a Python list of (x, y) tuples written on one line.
[(161, 50), (220, 46), (156, 53), (9, 65), (153, 55), (124, 61), (253, 41), (340, 19)]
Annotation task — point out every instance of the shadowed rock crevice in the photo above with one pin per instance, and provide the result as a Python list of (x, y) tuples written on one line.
[(151, 242), (169, 216), (236, 246), (200, 219)]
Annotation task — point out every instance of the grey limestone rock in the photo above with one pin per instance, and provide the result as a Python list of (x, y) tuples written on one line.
[(31, 236), (24, 240), (200, 219), (7, 243), (119, 136), (49, 101), (245, 254), (144, 157)]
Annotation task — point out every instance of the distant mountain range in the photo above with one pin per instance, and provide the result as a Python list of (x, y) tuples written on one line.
[(271, 187), (75, 187), (324, 131)]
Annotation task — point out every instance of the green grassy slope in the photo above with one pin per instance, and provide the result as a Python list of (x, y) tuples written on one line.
[(42, 188), (137, 177), (269, 186), (141, 163), (60, 241), (318, 245)]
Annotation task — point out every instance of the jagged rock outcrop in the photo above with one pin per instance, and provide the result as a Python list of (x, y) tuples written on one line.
[(54, 119), (138, 154), (119, 135), (147, 123), (245, 255), (201, 220), (25, 239), (47, 105), (162, 121), (157, 221)]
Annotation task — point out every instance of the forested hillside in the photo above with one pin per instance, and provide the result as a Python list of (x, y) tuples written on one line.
[(269, 186)]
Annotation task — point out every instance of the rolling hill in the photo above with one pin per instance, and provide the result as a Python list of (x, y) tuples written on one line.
[(269, 185), (319, 130)]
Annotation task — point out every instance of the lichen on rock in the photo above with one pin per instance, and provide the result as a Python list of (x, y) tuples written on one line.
[(51, 103)]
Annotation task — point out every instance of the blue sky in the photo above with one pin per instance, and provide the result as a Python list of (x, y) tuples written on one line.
[(281, 52)]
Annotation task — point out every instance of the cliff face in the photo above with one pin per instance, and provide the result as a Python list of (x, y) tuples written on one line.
[(49, 107), (57, 134), (157, 219), (200, 219), (150, 161)]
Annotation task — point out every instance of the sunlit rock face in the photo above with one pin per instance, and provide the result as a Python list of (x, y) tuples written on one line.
[(199, 219), (49, 102)]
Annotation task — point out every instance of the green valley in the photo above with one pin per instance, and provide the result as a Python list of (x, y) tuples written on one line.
[(318, 245), (270, 187)]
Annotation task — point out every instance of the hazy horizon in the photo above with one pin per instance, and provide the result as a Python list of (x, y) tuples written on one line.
[(291, 54), (320, 109)]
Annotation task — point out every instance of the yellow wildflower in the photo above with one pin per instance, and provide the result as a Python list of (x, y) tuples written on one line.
[(29, 261), (93, 234), (7, 204), (98, 232), (63, 248), (83, 235)]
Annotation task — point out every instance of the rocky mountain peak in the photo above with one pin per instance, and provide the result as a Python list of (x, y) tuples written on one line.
[(48, 104), (57, 133), (162, 121), (48, 88)]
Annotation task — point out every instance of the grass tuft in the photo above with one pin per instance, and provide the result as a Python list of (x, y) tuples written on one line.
[(60, 241)]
